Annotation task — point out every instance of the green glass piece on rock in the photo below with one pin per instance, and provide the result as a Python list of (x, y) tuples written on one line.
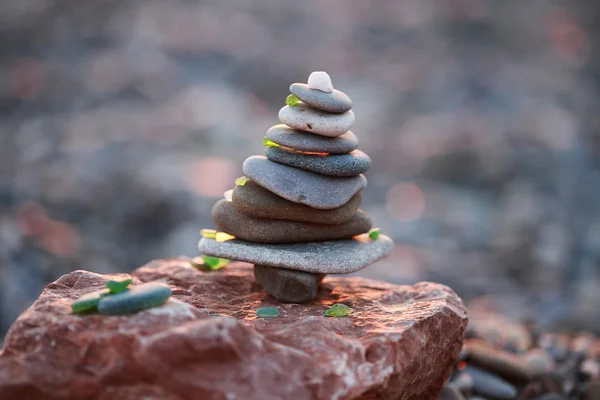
[(118, 286), (208, 233), (135, 299), (89, 301), (267, 312), (269, 143), (291, 100), (241, 181), (338, 310), (374, 233)]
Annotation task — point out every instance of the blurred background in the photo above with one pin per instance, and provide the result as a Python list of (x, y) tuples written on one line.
[(122, 122)]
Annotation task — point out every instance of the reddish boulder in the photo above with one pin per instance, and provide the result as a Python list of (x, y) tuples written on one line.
[(399, 343)]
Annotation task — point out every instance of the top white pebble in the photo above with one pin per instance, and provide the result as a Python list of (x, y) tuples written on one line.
[(320, 80)]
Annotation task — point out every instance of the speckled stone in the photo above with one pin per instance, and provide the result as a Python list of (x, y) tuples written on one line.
[(288, 285), (304, 141), (329, 257), (314, 190), (334, 102), (350, 164), (259, 230), (306, 118), (256, 201)]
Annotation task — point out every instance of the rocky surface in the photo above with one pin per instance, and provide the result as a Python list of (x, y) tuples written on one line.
[(305, 187), (304, 141), (351, 164), (399, 343), (260, 230), (328, 257), (256, 201)]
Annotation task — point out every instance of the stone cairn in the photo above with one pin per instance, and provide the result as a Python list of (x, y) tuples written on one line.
[(295, 213)]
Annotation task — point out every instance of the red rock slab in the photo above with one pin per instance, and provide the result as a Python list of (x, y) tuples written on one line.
[(399, 343)]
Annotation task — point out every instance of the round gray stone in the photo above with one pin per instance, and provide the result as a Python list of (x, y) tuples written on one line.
[(350, 164), (304, 141), (288, 285), (314, 190), (335, 102), (260, 230), (330, 257), (309, 119)]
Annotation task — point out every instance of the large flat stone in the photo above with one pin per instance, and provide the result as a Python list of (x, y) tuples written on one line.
[(314, 190), (350, 164), (399, 343), (260, 230), (305, 141), (256, 201), (329, 257), (335, 102), (309, 119)]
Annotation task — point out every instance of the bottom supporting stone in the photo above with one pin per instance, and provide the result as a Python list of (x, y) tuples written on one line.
[(288, 285)]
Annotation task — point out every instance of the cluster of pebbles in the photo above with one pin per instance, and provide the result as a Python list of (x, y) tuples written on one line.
[(296, 215), (502, 359)]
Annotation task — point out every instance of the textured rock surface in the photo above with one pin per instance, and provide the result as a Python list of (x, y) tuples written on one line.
[(334, 101), (259, 230), (305, 187), (256, 201), (306, 118), (351, 164), (399, 343), (300, 140), (331, 257)]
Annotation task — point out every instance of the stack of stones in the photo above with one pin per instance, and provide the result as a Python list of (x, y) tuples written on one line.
[(295, 214)]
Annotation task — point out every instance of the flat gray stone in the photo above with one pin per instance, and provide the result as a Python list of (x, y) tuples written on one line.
[(228, 219), (304, 141), (288, 285), (256, 201), (314, 190), (335, 102), (309, 119), (350, 164), (330, 257)]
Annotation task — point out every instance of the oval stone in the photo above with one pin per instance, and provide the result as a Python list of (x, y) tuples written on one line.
[(314, 190), (309, 119), (328, 257), (256, 201), (135, 299), (334, 102), (304, 141), (490, 385), (288, 285), (350, 164), (228, 219)]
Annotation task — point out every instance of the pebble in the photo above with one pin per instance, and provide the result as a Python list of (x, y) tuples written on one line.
[(464, 382), (260, 230), (334, 101), (304, 141), (256, 201), (540, 361), (451, 392), (320, 80), (328, 257), (288, 285), (309, 119), (489, 385), (135, 299), (509, 366), (305, 187), (89, 302), (350, 164)]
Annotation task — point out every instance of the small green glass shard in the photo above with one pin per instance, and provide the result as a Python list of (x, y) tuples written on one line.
[(338, 310), (118, 286), (214, 263), (241, 181), (89, 301), (267, 312), (374, 233), (268, 143), (223, 237), (291, 100), (208, 233)]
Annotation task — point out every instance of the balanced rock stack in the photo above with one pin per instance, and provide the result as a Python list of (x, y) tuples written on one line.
[(295, 213)]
